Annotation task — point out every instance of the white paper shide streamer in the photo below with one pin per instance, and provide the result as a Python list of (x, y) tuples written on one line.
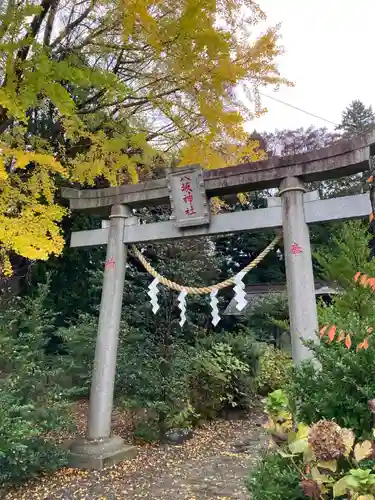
[(239, 291), (214, 309), (153, 294), (182, 306)]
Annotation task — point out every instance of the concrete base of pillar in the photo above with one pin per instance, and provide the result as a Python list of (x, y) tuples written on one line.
[(85, 454)]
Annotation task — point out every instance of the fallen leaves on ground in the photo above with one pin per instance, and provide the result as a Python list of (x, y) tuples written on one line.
[(205, 467)]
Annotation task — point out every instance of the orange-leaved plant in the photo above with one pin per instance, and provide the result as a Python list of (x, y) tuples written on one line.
[(342, 336)]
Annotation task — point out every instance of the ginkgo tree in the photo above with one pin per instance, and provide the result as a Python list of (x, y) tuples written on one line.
[(95, 89)]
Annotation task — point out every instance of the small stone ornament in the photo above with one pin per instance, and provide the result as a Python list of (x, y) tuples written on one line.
[(239, 291), (215, 311), (178, 436), (153, 294)]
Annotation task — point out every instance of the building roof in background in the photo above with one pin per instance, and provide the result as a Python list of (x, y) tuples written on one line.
[(256, 294)]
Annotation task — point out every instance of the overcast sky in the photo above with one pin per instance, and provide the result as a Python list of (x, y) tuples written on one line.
[(329, 55)]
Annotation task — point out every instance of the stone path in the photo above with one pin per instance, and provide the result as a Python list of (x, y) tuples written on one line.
[(212, 465)]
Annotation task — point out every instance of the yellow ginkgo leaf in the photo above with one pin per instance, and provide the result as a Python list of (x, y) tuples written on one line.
[(328, 464), (318, 477), (362, 450), (299, 446), (348, 438), (340, 487), (302, 431)]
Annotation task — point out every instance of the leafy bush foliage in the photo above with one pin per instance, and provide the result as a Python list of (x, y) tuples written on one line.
[(174, 380), (32, 394), (79, 340), (341, 389), (24, 450), (186, 382), (333, 463), (330, 461), (78, 353), (185, 419), (223, 373), (146, 431), (150, 375), (267, 318), (280, 420), (275, 478), (244, 347), (213, 379), (275, 368), (155, 377), (277, 404), (335, 396), (165, 375)]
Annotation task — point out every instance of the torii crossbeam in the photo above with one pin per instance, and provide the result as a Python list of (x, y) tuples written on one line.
[(293, 211)]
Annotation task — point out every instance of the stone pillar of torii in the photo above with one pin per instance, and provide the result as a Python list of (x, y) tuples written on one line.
[(188, 191)]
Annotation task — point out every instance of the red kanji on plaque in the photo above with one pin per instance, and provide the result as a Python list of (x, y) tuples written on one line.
[(188, 197), (190, 211), (186, 184), (109, 264), (296, 249)]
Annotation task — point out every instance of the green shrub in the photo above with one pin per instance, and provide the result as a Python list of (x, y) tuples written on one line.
[(267, 317), (275, 369), (277, 403), (166, 376), (147, 431), (275, 478), (209, 386), (155, 377), (32, 396), (184, 419), (245, 348), (78, 342), (24, 449), (216, 380), (330, 461), (341, 389), (150, 375)]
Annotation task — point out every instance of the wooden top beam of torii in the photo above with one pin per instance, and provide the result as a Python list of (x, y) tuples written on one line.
[(346, 157)]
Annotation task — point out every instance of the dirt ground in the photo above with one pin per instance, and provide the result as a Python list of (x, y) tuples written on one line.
[(211, 465)]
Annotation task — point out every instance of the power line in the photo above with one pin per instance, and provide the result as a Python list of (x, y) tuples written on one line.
[(298, 109)]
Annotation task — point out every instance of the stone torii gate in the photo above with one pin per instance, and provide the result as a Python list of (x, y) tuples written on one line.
[(293, 211)]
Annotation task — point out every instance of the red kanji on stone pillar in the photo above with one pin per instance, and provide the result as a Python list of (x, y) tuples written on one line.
[(109, 264), (296, 249)]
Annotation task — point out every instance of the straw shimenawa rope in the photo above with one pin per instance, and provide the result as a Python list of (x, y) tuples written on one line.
[(206, 289)]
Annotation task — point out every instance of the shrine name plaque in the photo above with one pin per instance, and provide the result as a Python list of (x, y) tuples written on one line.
[(187, 196)]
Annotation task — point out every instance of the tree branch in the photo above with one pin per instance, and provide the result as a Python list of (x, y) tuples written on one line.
[(70, 27), (23, 52), (101, 93), (5, 122), (49, 24), (137, 101), (34, 28), (5, 25)]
